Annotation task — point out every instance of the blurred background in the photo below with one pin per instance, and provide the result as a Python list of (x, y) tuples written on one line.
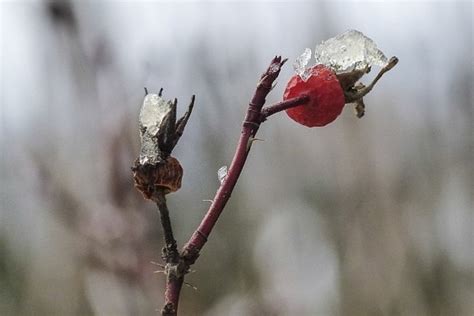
[(362, 217)]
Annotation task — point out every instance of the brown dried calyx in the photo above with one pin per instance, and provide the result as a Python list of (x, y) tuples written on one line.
[(163, 177)]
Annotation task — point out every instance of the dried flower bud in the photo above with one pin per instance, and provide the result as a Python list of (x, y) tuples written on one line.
[(155, 171), (163, 177)]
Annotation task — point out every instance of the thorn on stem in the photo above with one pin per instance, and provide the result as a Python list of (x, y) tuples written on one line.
[(191, 286), (158, 264), (251, 140), (274, 85)]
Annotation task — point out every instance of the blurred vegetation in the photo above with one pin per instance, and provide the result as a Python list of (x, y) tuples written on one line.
[(363, 217)]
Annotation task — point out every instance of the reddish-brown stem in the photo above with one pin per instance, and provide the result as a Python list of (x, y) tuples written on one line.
[(173, 289), (284, 105), (255, 115), (249, 129)]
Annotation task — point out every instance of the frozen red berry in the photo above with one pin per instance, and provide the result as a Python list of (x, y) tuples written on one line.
[(326, 97)]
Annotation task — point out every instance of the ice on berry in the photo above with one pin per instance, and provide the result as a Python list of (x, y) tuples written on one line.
[(300, 65), (222, 173), (349, 51), (152, 113)]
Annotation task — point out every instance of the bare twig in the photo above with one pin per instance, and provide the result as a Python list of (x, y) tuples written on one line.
[(284, 105), (170, 250), (174, 268), (177, 264), (250, 127)]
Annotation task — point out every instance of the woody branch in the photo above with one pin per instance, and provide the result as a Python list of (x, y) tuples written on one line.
[(178, 263), (255, 115)]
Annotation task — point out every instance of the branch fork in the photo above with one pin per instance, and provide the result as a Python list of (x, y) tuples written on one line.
[(161, 173), (178, 263)]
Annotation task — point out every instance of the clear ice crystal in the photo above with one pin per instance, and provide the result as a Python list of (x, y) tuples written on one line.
[(152, 113), (300, 65), (222, 173), (349, 51)]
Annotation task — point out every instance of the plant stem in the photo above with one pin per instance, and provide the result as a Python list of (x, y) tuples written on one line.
[(173, 289), (254, 117), (284, 105), (174, 281), (250, 127), (170, 251)]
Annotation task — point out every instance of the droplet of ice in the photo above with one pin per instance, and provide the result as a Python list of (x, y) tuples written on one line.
[(222, 173), (152, 113), (300, 65), (348, 51)]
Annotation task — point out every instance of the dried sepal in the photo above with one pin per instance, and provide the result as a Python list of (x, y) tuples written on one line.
[(166, 132), (181, 123), (360, 108), (354, 92)]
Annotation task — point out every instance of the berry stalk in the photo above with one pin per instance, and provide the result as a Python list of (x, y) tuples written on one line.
[(284, 105)]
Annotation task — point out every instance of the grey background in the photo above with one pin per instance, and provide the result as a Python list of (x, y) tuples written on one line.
[(362, 217)]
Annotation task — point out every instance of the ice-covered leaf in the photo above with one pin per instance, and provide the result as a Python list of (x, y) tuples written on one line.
[(153, 110), (152, 113), (348, 51)]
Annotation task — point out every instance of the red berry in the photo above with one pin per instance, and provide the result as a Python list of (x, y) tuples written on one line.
[(326, 97)]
